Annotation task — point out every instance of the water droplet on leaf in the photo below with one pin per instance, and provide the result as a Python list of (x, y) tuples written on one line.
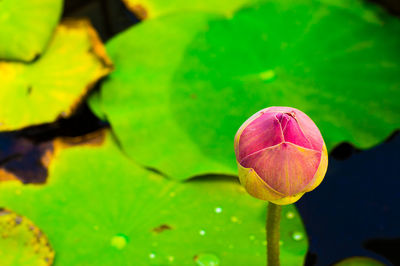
[(202, 232), (297, 236), (218, 210), (119, 241), (290, 215)]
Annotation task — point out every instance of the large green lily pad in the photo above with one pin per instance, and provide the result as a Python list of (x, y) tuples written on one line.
[(22, 243), (109, 211), (52, 86), (190, 80), (26, 27)]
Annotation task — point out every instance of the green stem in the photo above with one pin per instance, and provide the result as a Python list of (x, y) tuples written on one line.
[(273, 220)]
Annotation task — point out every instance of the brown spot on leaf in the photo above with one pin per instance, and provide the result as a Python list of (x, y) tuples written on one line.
[(18, 220), (162, 228), (3, 212)]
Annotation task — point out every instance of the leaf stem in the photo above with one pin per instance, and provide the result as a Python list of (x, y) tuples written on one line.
[(273, 220)]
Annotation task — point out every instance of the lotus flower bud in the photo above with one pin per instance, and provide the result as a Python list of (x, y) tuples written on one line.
[(280, 154)]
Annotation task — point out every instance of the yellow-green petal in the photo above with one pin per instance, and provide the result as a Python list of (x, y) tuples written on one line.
[(321, 171), (255, 186)]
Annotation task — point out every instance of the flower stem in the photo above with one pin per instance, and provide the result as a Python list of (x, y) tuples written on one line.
[(273, 220)]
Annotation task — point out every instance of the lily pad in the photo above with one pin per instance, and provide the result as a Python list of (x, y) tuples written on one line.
[(190, 80), (53, 85), (21, 242), (26, 27), (109, 211)]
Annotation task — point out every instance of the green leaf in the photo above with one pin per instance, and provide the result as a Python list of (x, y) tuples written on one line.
[(109, 211), (190, 80), (52, 86), (26, 27), (155, 8), (21, 242)]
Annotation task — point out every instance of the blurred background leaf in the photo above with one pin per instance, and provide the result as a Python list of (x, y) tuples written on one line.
[(26, 27)]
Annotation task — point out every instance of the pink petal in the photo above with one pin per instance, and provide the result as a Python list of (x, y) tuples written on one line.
[(293, 134), (298, 128), (287, 168), (263, 132), (310, 130)]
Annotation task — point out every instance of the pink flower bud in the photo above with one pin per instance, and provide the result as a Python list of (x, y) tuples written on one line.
[(280, 154)]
